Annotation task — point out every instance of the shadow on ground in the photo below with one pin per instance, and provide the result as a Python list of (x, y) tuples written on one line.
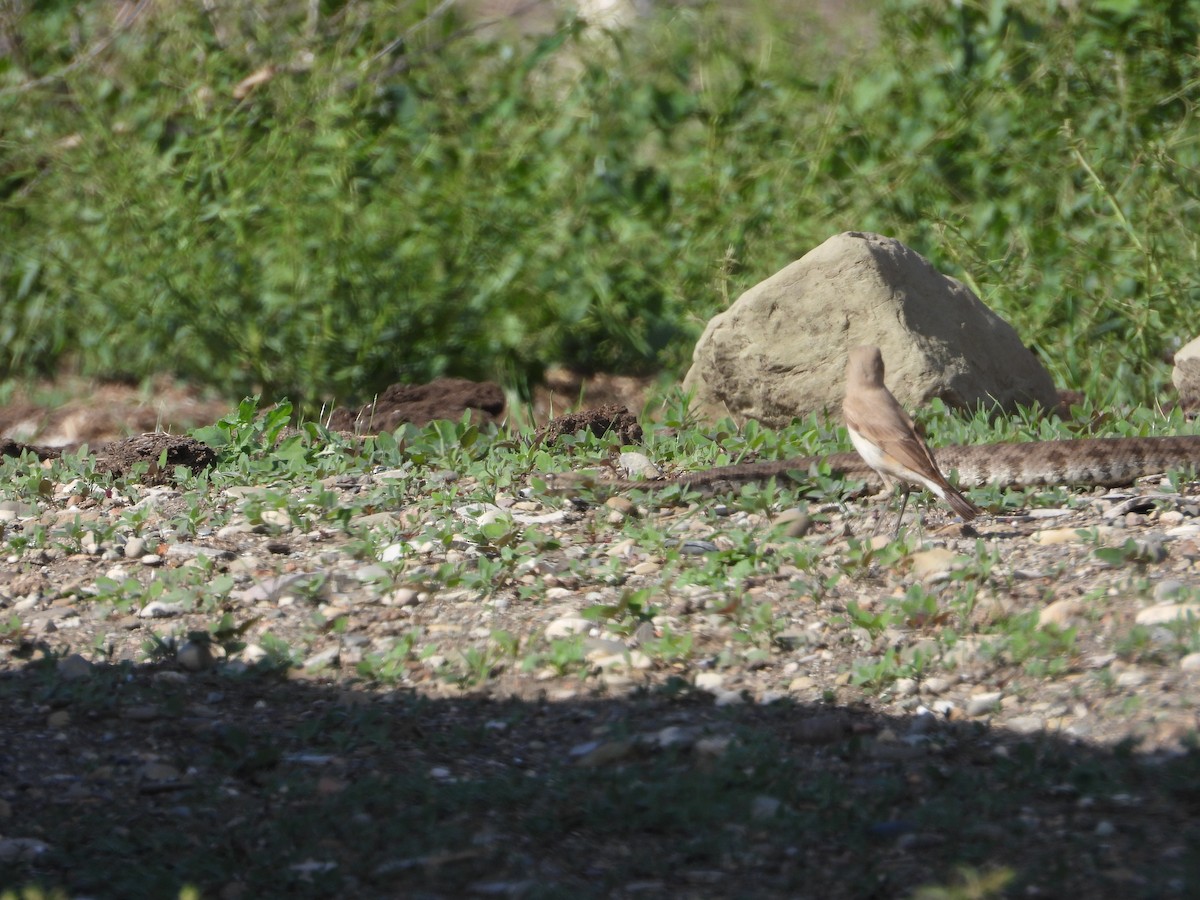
[(134, 782)]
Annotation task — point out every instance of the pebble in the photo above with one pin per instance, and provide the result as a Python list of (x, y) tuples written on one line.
[(596, 753), (157, 609), (1167, 612), (935, 564), (709, 681), (58, 720), (794, 522), (1060, 613), (185, 550), (252, 654), (158, 772), (327, 657), (1071, 535), (401, 597), (135, 548), (716, 745), (75, 668), (1190, 663), (1025, 724), (567, 626), (638, 465), (1131, 678), (937, 685), (675, 736), (1168, 589), (195, 656), (623, 507), (21, 849), (11, 510), (983, 704), (277, 518), (764, 807)]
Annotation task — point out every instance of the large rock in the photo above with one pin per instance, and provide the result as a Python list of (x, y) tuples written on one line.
[(1186, 376), (780, 350)]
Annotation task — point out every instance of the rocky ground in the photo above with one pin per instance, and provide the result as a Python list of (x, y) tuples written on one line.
[(428, 680)]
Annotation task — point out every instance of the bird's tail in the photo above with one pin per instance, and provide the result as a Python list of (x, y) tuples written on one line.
[(960, 504)]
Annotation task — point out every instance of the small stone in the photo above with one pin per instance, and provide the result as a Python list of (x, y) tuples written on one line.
[(1190, 663), (402, 597), (794, 522), (327, 657), (11, 510), (567, 626), (74, 668), (1151, 549), (135, 548), (1131, 678), (195, 656), (253, 654), (622, 506), (765, 807), (151, 560), (371, 572), (675, 736), (709, 681), (21, 850), (603, 753), (935, 564), (638, 465), (982, 704), (1025, 724), (1168, 612), (234, 531), (58, 720), (1168, 589), (158, 772), (937, 685), (1060, 613), (157, 609), (717, 745), (1071, 535), (277, 518)]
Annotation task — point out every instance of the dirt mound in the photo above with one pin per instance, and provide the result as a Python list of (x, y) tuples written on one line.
[(161, 452), (420, 404), (611, 418)]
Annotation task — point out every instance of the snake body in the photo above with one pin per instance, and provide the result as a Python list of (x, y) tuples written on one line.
[(1082, 461)]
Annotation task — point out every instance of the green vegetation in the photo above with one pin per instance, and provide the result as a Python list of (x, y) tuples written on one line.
[(321, 199)]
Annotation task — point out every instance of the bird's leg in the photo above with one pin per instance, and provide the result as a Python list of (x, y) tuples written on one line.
[(905, 490)]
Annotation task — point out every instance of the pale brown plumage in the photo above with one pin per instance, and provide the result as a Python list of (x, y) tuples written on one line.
[(886, 438)]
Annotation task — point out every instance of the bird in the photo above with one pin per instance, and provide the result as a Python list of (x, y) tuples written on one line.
[(886, 438)]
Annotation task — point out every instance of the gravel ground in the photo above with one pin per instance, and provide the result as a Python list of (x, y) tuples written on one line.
[(193, 669)]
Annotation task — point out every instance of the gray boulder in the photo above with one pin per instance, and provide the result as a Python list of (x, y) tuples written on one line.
[(1186, 376), (780, 350)]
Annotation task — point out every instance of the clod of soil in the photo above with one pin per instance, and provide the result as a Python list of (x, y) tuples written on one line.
[(420, 404), (603, 420)]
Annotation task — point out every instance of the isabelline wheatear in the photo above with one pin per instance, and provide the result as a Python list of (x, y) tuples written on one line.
[(886, 438)]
